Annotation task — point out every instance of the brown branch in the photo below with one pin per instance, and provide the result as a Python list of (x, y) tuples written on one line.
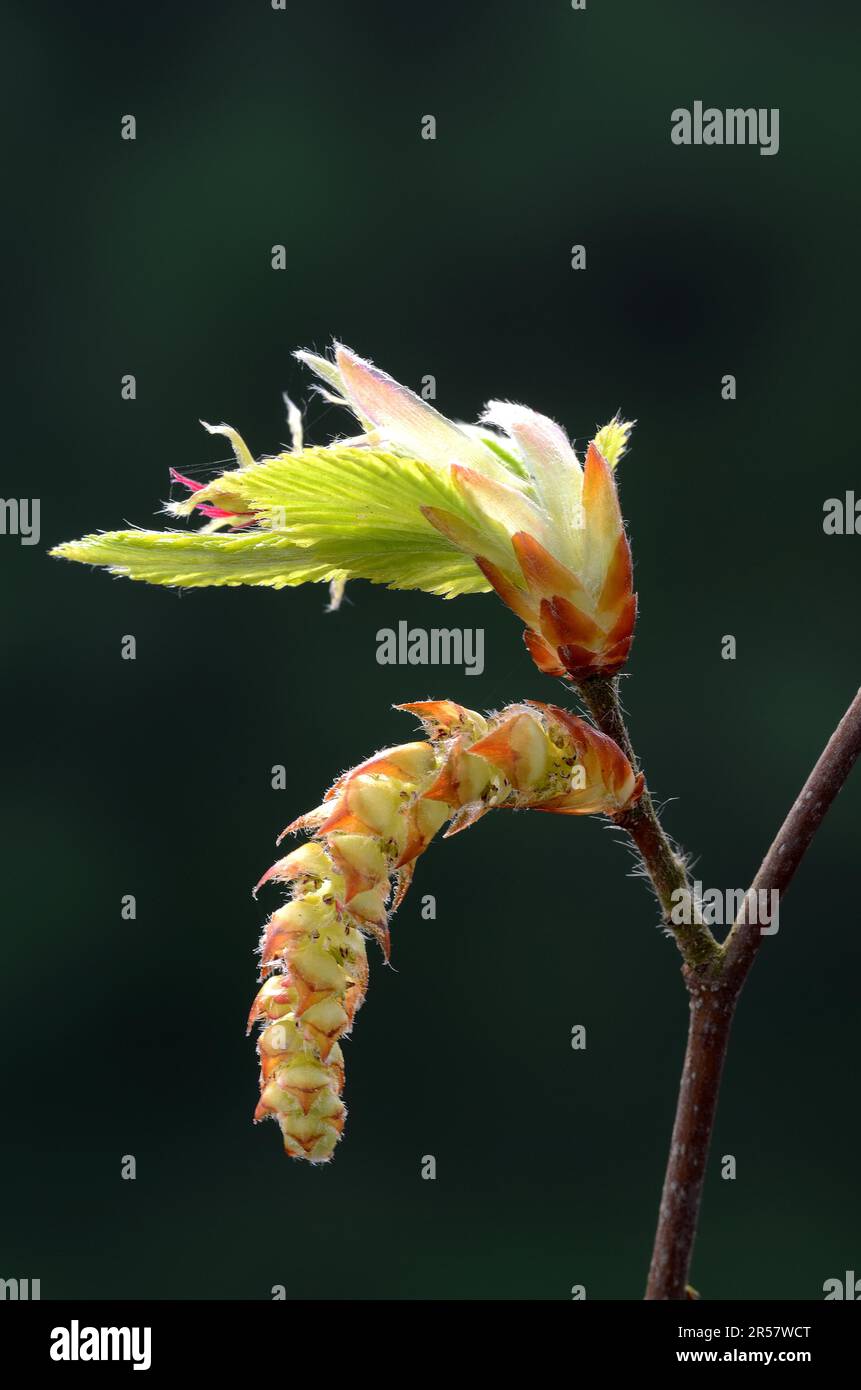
[(713, 997), (714, 975), (793, 838), (711, 1014)]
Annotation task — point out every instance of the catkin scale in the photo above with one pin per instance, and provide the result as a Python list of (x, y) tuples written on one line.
[(367, 834)]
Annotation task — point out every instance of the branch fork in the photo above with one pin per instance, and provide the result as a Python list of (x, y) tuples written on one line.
[(714, 973)]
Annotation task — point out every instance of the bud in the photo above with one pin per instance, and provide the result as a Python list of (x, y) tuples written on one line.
[(436, 505), (579, 615)]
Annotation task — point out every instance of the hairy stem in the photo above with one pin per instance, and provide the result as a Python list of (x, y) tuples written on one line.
[(713, 997), (665, 867)]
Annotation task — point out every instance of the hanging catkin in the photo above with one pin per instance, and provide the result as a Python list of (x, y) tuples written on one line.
[(372, 826)]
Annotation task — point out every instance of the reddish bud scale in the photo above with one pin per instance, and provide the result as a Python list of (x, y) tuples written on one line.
[(371, 827), (578, 624)]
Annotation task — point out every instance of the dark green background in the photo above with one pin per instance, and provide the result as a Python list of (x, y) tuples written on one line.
[(153, 777)]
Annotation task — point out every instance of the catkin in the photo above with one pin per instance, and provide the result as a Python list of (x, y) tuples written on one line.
[(350, 877)]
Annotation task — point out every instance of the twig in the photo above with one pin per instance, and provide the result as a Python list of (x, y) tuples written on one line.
[(794, 837), (664, 866), (713, 997)]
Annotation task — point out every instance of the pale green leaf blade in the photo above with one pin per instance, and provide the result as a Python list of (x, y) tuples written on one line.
[(267, 559), (194, 559), (364, 507)]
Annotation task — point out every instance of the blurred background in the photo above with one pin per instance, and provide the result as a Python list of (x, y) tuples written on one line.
[(153, 777)]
